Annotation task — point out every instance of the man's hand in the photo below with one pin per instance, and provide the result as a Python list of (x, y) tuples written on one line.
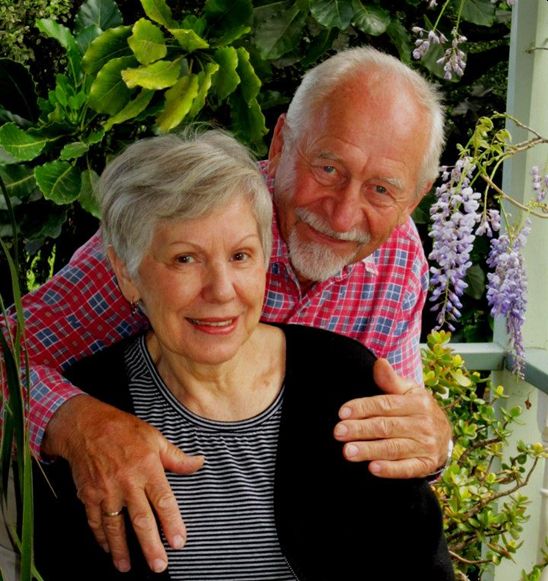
[(118, 461), (405, 434)]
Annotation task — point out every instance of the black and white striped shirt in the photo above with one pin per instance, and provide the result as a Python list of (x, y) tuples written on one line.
[(228, 505)]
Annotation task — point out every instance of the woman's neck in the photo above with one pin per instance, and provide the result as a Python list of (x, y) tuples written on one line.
[(234, 390)]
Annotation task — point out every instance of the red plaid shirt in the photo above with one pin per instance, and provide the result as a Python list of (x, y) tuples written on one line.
[(79, 311)]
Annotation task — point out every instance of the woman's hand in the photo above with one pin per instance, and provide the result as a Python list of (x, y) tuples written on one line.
[(404, 433), (117, 462)]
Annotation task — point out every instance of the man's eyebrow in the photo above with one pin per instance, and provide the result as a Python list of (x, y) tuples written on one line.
[(393, 182), (328, 155)]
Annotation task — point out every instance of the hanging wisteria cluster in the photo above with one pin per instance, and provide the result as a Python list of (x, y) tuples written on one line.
[(454, 216), (457, 218), (454, 58)]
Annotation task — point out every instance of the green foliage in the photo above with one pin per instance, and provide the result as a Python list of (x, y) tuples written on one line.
[(110, 74), (17, 37), (479, 491), (15, 455)]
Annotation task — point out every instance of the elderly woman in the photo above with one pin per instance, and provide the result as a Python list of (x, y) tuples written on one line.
[(188, 227)]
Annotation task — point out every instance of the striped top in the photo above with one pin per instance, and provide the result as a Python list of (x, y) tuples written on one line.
[(228, 505)]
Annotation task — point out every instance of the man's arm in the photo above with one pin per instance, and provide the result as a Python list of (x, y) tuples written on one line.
[(79, 311), (405, 433)]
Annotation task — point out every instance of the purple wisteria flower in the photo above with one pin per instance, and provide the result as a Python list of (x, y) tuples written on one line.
[(425, 40), (454, 59), (507, 288), (507, 284), (454, 216)]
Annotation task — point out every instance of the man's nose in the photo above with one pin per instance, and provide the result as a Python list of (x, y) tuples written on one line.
[(346, 209)]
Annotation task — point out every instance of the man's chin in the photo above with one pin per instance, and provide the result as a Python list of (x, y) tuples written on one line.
[(316, 262)]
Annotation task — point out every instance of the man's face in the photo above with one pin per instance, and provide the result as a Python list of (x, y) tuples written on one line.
[(342, 188)]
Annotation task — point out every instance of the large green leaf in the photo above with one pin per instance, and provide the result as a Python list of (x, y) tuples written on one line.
[(86, 36), (19, 181), (158, 75), (108, 93), (103, 14), (23, 145), (74, 150), (248, 122), (227, 78), (65, 38), (178, 103), (160, 12), (112, 44), (205, 79), (131, 110), (332, 13), (399, 36), (228, 20), (251, 84), (17, 90), (480, 12), (87, 198), (188, 39), (278, 28), (60, 33), (147, 42), (59, 181), (371, 19)]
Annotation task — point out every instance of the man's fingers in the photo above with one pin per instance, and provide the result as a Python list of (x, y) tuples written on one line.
[(146, 529), (95, 521), (388, 380), (378, 428), (115, 533), (175, 460), (393, 452), (165, 505), (409, 468)]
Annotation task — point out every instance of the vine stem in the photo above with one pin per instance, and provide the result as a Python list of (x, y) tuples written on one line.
[(512, 200)]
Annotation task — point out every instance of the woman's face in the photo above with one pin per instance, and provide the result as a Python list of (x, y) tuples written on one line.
[(202, 283)]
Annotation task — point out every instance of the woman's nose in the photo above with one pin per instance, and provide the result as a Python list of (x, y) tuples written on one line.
[(220, 284)]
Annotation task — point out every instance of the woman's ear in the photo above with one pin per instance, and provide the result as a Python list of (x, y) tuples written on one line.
[(276, 146), (125, 282)]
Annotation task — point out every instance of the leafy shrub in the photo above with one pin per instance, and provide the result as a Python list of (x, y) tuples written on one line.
[(479, 492), (18, 35)]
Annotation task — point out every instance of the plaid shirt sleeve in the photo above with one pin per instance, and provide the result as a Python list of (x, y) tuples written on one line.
[(76, 313)]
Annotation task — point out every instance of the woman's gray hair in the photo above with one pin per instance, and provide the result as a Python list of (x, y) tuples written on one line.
[(320, 82), (177, 177)]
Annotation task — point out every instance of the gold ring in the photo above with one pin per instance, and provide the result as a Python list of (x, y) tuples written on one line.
[(115, 513)]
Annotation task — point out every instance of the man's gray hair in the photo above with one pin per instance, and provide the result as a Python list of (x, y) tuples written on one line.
[(177, 177), (321, 81)]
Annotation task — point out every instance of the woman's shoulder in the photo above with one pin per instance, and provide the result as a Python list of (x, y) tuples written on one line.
[(311, 342), (328, 362)]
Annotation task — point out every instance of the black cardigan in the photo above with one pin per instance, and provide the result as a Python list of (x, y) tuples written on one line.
[(335, 520)]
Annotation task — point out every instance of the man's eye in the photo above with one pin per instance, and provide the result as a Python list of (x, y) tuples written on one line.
[(380, 190), (240, 256), (185, 259), (329, 169)]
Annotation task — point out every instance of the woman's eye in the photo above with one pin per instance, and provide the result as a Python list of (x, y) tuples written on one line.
[(185, 259)]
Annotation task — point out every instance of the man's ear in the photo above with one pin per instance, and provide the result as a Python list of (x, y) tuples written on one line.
[(125, 282), (276, 146)]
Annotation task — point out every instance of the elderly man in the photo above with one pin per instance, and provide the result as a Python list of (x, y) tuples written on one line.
[(348, 163)]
